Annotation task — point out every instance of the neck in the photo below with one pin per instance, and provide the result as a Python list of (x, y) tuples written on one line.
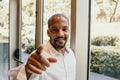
[(61, 50)]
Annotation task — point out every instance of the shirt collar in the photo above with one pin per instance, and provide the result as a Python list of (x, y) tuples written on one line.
[(53, 51)]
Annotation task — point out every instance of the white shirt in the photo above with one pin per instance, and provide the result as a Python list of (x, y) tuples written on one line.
[(63, 69)]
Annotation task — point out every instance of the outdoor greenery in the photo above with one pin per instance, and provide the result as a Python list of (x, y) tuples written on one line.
[(107, 10), (29, 49), (105, 41), (105, 59), (4, 20)]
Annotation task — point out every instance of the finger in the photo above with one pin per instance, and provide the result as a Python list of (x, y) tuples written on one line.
[(52, 60), (41, 59), (47, 61), (36, 63), (44, 61), (30, 68)]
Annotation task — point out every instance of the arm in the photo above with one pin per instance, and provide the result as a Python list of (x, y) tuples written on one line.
[(36, 63)]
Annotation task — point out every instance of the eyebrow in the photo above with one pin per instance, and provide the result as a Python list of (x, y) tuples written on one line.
[(62, 27), (53, 27)]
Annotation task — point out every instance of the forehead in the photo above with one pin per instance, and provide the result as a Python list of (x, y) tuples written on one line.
[(58, 20)]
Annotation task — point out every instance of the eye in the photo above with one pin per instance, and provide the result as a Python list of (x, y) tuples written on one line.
[(54, 30), (65, 29)]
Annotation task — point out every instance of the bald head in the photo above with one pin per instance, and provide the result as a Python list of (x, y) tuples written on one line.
[(55, 18)]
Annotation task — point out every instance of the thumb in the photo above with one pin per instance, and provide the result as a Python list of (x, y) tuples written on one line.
[(52, 60)]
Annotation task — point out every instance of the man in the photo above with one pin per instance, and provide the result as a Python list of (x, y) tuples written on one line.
[(53, 61)]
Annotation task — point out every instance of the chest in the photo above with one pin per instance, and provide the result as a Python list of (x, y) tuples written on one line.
[(63, 69)]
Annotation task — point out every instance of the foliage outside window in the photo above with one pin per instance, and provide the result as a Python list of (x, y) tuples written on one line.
[(105, 54), (4, 21), (106, 10), (105, 38), (28, 24), (4, 39)]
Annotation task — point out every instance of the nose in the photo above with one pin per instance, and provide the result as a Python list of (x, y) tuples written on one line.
[(60, 33)]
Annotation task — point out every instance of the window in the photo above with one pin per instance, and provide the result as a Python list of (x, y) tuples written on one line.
[(28, 27), (105, 40), (4, 38)]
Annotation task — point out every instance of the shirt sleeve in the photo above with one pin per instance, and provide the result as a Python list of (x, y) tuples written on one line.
[(22, 74)]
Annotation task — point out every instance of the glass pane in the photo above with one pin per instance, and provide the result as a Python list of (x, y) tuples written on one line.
[(28, 27), (105, 40), (4, 30), (55, 6)]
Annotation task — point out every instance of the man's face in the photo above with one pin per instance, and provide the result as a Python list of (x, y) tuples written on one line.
[(58, 32)]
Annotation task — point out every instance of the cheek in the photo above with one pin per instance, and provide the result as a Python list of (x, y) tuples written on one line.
[(52, 37), (67, 35)]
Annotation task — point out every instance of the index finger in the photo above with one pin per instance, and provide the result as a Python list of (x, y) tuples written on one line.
[(39, 49), (42, 59)]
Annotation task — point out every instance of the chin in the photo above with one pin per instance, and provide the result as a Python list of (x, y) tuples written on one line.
[(61, 46)]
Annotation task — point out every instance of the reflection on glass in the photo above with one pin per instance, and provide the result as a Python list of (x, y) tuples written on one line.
[(105, 40), (55, 6), (4, 30), (28, 26)]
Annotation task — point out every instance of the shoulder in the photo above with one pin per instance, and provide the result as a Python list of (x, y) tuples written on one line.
[(70, 50)]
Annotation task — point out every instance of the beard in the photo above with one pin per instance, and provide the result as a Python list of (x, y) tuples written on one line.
[(59, 42)]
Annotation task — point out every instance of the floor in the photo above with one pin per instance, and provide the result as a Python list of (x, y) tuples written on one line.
[(95, 76)]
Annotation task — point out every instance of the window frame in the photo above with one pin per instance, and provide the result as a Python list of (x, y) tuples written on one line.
[(80, 24)]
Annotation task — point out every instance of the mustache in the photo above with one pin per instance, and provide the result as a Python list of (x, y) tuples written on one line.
[(59, 37)]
